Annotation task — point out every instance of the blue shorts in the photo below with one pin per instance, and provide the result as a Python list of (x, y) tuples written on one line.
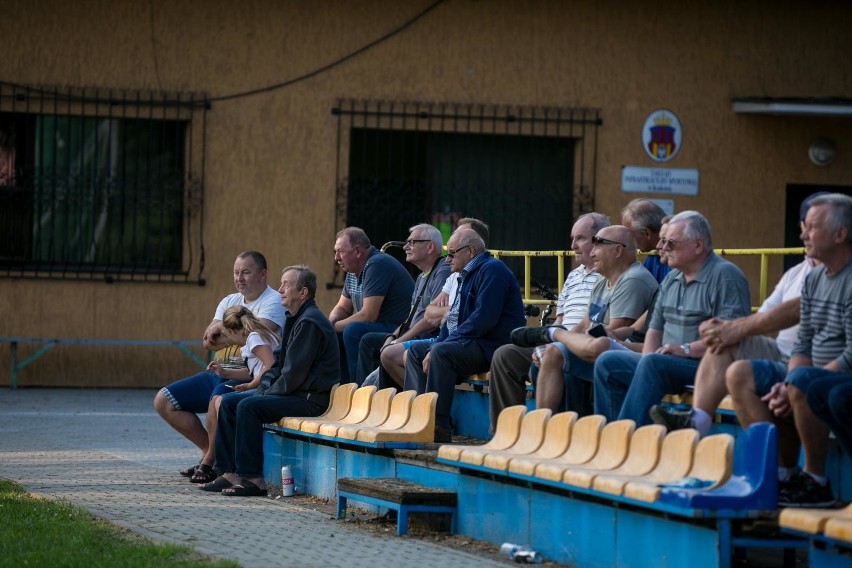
[(803, 377), (767, 373), (193, 393)]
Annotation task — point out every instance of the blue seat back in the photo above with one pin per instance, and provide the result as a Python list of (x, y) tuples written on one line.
[(753, 484)]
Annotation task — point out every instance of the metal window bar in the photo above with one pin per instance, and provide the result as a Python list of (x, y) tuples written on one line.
[(411, 162), (101, 184)]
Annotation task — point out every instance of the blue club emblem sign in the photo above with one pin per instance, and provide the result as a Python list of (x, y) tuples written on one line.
[(661, 135)]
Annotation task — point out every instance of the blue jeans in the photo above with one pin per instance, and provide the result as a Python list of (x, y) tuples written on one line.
[(628, 384), (450, 362), (368, 354), (830, 399), (350, 340), (239, 431), (576, 374)]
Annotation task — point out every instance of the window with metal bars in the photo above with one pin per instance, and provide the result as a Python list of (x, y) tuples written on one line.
[(100, 185), (526, 171)]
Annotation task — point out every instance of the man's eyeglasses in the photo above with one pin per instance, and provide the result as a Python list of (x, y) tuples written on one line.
[(453, 253), (602, 241), (412, 242), (671, 244)]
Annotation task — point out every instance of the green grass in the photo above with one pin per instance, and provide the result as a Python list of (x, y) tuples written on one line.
[(37, 532)]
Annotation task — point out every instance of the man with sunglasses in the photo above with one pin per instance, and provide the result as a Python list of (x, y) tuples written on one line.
[(484, 311), (511, 364), (626, 291), (741, 355), (393, 354), (703, 286)]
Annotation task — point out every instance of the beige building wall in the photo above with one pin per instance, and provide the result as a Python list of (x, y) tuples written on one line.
[(270, 158)]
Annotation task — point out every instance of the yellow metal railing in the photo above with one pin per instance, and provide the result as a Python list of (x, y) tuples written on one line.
[(560, 255), (763, 253)]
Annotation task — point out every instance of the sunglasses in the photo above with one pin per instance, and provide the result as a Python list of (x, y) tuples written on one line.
[(672, 244), (453, 253), (603, 241)]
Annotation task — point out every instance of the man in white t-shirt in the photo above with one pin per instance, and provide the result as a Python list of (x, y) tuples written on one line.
[(252, 292), (180, 402)]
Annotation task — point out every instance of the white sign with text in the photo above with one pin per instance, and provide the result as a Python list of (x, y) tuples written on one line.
[(674, 181)]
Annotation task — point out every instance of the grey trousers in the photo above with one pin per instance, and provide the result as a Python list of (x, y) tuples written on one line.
[(509, 370)]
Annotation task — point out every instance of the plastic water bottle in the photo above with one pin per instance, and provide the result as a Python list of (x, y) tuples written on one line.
[(287, 483), (520, 553), (688, 483)]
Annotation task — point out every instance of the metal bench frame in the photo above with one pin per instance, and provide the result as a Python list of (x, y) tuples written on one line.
[(47, 343)]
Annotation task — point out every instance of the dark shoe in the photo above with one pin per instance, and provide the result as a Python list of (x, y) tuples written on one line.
[(784, 484), (532, 336), (187, 472), (216, 486), (203, 474), (244, 488), (443, 435), (671, 419), (803, 491)]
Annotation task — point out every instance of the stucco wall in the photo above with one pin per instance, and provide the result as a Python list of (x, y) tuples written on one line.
[(270, 158)]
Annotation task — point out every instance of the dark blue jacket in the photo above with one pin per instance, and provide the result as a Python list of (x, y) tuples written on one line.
[(490, 307)]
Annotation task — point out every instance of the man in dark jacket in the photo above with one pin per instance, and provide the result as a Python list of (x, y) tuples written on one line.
[(485, 310), (306, 368)]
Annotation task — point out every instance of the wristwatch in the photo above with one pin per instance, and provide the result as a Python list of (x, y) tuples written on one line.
[(685, 348)]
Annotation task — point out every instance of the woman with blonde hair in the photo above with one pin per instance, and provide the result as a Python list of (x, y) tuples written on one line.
[(257, 344)]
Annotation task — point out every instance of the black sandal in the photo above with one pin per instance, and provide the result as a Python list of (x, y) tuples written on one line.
[(217, 485), (188, 471), (203, 474), (244, 488)]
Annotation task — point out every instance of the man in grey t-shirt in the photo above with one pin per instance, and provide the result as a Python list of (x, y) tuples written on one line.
[(625, 292)]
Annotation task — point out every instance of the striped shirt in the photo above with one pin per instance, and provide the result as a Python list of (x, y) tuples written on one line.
[(573, 302), (825, 328)]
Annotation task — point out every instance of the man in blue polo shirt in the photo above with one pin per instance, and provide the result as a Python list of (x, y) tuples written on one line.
[(376, 295)]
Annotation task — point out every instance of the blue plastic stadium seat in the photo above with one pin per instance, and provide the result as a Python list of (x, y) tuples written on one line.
[(753, 484)]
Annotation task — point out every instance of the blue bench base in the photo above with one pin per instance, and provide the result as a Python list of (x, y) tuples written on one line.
[(404, 497)]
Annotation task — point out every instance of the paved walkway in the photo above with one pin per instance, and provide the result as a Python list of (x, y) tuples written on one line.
[(109, 452)]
